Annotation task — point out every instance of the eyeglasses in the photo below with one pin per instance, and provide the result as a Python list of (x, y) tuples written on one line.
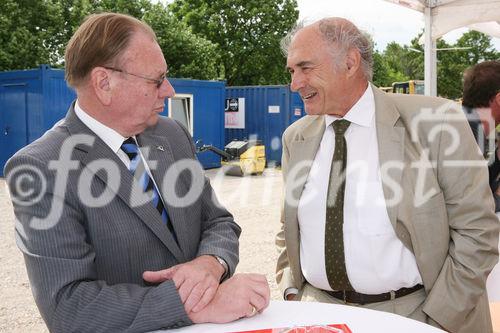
[(158, 82)]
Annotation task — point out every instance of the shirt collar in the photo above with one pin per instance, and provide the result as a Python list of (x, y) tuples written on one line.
[(362, 113), (111, 137)]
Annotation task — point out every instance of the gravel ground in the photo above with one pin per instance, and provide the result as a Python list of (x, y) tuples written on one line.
[(254, 201)]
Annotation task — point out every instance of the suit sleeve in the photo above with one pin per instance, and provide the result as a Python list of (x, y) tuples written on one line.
[(283, 273), (62, 269), (473, 226), (220, 233)]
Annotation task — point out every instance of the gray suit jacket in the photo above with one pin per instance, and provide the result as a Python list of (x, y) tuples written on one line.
[(85, 258), (453, 232)]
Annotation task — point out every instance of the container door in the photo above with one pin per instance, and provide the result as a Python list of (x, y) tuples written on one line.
[(13, 121), (276, 111)]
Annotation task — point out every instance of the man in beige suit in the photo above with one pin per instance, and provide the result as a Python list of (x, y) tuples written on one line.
[(387, 204)]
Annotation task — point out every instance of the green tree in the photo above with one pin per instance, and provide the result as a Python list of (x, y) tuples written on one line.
[(452, 63), (416, 58), (135, 8), (187, 55), (71, 15), (481, 48), (247, 34), (402, 63), (385, 73), (28, 33), (395, 64), (380, 70), (449, 70), (36, 32)]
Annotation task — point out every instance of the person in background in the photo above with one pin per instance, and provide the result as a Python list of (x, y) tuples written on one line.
[(119, 228), (387, 204), (481, 104)]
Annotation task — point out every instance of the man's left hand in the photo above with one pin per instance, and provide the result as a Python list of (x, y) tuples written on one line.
[(197, 280)]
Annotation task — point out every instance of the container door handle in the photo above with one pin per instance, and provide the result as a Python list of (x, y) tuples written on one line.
[(6, 131)]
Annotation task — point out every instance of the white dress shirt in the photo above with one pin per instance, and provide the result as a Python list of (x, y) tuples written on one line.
[(376, 260), (112, 138)]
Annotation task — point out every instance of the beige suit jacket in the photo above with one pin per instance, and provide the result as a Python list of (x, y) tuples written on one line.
[(443, 209)]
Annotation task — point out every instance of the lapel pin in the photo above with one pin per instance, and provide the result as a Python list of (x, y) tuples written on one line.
[(160, 148)]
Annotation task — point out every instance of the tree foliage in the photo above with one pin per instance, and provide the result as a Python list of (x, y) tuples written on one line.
[(403, 63), (28, 33), (36, 32), (247, 34), (452, 64), (187, 55), (235, 40)]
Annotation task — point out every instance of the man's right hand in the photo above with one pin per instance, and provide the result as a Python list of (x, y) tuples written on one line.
[(243, 295)]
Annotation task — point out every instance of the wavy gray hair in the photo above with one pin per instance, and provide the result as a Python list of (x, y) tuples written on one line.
[(342, 35)]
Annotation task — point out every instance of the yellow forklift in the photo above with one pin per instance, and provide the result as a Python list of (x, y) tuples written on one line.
[(240, 158)]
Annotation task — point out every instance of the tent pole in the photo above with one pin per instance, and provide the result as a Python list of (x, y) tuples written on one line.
[(430, 69)]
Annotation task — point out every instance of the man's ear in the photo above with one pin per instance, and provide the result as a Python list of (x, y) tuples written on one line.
[(495, 108), (497, 99), (353, 62), (100, 82)]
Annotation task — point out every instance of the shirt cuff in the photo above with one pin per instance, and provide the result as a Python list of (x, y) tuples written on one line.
[(224, 265)]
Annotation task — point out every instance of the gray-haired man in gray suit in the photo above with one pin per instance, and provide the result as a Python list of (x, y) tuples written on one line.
[(120, 230)]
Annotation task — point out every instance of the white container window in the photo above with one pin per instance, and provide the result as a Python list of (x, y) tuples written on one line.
[(180, 108)]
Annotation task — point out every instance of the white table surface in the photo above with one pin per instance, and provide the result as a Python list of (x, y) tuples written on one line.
[(289, 314)]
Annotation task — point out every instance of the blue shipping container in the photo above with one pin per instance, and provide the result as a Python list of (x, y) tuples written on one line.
[(268, 111), (32, 101), (204, 101)]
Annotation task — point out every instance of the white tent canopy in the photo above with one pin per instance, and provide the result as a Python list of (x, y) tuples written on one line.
[(442, 16), (489, 28)]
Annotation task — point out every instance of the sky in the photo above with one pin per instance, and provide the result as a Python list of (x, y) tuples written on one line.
[(386, 22)]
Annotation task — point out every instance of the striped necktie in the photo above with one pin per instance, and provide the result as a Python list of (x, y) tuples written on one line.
[(138, 169), (334, 229)]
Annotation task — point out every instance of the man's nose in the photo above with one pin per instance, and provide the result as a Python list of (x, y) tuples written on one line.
[(166, 90), (297, 82)]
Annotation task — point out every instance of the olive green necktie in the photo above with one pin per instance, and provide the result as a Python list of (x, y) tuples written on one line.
[(334, 235)]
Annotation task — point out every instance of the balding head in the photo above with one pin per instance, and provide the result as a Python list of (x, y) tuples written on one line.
[(341, 35), (326, 65), (100, 41)]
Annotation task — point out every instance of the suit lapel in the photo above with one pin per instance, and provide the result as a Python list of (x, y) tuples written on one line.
[(90, 154), (391, 140), (302, 152)]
